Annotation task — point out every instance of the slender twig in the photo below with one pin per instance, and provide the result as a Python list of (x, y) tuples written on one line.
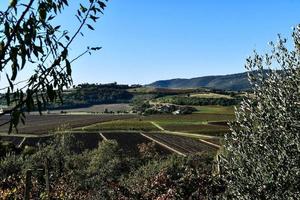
[(81, 25)]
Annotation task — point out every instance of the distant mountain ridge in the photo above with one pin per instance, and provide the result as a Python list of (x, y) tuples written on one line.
[(234, 82)]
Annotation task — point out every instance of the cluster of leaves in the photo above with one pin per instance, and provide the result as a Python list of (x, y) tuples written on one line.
[(261, 158), (29, 38)]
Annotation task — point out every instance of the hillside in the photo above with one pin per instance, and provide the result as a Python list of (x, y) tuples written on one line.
[(233, 82)]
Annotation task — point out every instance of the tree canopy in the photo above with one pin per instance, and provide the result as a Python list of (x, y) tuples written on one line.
[(30, 37), (261, 159)]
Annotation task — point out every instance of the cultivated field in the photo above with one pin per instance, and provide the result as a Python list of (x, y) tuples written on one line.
[(194, 123), (191, 118), (215, 109), (120, 107), (210, 95), (197, 128), (129, 142), (184, 145), (36, 124), (181, 133), (82, 141), (135, 124), (201, 123)]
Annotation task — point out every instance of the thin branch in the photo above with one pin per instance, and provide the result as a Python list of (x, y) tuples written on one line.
[(81, 25), (16, 29)]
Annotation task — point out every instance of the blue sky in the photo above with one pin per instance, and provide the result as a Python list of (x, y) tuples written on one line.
[(148, 40)]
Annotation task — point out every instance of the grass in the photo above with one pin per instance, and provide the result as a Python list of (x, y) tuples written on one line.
[(211, 95), (197, 118), (194, 123), (215, 109), (130, 124)]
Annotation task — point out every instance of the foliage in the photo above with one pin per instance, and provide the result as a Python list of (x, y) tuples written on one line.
[(147, 151), (183, 100), (106, 173), (140, 104), (91, 94), (262, 152), (10, 165), (30, 38), (172, 178), (7, 147)]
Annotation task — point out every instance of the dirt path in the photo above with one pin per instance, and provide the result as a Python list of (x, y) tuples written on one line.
[(210, 143), (158, 126)]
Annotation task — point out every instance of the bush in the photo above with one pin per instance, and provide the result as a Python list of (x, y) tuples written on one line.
[(172, 178), (10, 165)]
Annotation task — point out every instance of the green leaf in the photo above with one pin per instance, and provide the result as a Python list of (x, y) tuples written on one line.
[(90, 27), (68, 66), (82, 8), (94, 18)]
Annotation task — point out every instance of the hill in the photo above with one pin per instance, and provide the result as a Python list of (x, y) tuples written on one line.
[(234, 82)]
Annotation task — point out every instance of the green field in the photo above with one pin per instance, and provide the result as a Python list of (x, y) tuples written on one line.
[(130, 124), (193, 123), (215, 109), (210, 95), (197, 118)]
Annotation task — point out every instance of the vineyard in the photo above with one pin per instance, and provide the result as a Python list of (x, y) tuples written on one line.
[(43, 124)]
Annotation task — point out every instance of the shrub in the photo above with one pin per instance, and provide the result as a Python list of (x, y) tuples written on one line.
[(172, 178), (10, 165)]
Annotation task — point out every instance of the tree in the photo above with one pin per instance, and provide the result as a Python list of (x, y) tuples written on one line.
[(261, 157), (29, 37)]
